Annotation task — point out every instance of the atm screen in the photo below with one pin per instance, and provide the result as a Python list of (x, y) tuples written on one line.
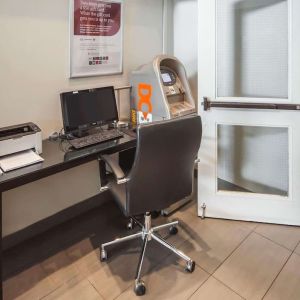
[(166, 77)]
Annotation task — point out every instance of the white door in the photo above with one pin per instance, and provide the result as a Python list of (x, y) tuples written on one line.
[(249, 61)]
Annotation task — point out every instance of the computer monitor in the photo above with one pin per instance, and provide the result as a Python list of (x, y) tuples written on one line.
[(86, 108)]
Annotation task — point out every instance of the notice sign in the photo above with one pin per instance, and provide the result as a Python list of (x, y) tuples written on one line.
[(96, 37)]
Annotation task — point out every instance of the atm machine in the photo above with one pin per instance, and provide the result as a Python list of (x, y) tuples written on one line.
[(161, 91)]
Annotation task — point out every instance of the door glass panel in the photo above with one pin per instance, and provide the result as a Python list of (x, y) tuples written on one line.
[(252, 48), (253, 159)]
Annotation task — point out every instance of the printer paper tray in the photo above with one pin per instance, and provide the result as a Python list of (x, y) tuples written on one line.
[(19, 160)]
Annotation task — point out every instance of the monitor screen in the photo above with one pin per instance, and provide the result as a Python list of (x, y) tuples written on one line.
[(86, 108)]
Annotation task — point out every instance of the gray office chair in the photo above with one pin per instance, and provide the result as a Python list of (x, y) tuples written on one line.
[(162, 174)]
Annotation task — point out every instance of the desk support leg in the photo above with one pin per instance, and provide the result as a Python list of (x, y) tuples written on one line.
[(1, 254), (102, 173)]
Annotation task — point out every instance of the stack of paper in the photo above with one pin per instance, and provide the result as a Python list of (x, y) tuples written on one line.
[(19, 160)]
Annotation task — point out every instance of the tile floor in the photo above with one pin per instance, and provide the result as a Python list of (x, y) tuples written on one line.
[(235, 260)]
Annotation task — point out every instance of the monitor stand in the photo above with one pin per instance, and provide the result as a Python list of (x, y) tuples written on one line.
[(81, 132), (87, 130)]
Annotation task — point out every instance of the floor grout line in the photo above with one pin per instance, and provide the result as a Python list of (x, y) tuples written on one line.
[(255, 227), (267, 238), (211, 274), (241, 242), (98, 292), (277, 276), (199, 287), (228, 287), (57, 288), (294, 251), (253, 231), (229, 255), (160, 262), (44, 296)]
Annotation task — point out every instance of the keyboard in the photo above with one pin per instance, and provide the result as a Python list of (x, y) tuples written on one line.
[(96, 138), (131, 132)]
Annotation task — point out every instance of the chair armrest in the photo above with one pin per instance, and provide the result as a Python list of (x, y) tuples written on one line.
[(117, 171)]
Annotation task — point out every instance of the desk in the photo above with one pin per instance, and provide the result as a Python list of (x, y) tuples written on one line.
[(57, 160)]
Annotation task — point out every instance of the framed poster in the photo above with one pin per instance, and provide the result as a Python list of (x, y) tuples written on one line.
[(96, 37)]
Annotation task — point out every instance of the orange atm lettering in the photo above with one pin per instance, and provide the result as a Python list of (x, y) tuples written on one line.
[(145, 93)]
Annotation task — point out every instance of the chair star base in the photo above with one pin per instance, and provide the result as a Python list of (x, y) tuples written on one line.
[(147, 234)]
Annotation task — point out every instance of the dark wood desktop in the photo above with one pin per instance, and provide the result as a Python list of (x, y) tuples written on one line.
[(59, 157)]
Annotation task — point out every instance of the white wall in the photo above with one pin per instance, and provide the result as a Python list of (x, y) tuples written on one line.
[(185, 38), (34, 69)]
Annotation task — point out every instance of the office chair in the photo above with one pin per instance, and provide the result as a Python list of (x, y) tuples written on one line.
[(162, 174)]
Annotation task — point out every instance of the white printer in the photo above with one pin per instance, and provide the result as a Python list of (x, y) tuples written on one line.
[(20, 137)]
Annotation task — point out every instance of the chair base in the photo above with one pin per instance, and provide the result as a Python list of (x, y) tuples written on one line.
[(147, 234)]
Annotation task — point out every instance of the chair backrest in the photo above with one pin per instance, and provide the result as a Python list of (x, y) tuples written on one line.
[(163, 168)]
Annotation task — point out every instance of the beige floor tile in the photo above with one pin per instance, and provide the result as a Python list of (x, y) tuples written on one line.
[(82, 290), (191, 208), (287, 236), (80, 249), (250, 270), (213, 289), (60, 268), (30, 284), (287, 284), (88, 264), (77, 273), (212, 240), (185, 227), (84, 257), (249, 225), (169, 281)]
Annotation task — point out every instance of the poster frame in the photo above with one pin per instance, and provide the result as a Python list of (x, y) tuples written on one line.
[(71, 36)]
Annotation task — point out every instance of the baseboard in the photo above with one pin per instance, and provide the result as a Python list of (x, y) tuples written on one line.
[(54, 220)]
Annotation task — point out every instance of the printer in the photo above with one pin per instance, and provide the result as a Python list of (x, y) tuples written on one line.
[(20, 137)]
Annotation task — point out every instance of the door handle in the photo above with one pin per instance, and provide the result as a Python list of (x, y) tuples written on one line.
[(207, 104)]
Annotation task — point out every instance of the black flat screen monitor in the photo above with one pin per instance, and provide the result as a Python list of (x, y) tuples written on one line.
[(86, 108)]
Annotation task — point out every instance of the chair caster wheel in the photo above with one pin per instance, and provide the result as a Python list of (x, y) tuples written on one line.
[(130, 225), (190, 266), (173, 230), (155, 214), (140, 288), (103, 255)]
